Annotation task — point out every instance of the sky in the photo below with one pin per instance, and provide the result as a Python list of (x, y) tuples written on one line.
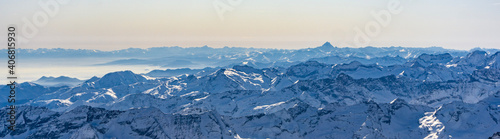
[(289, 24)]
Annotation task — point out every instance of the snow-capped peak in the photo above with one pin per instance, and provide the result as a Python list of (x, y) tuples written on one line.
[(120, 78)]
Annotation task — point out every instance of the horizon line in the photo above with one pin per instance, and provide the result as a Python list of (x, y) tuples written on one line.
[(327, 42)]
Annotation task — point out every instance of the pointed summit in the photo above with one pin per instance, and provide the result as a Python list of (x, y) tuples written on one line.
[(326, 47), (327, 44)]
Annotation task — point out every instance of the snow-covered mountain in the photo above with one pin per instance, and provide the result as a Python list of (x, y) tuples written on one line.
[(431, 95), (397, 119), (29, 91), (435, 77), (95, 91)]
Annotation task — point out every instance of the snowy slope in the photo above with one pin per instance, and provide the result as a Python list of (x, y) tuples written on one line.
[(368, 119)]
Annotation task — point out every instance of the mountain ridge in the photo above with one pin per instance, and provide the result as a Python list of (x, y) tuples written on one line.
[(429, 96)]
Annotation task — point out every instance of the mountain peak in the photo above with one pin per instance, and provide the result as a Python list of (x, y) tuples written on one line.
[(477, 58), (120, 78), (45, 77), (93, 79), (326, 47), (495, 60), (497, 54), (478, 53), (327, 44)]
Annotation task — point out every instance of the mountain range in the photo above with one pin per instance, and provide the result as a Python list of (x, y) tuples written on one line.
[(370, 93), (58, 81), (201, 57)]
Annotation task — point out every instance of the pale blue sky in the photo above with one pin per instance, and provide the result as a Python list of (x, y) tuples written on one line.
[(109, 25)]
